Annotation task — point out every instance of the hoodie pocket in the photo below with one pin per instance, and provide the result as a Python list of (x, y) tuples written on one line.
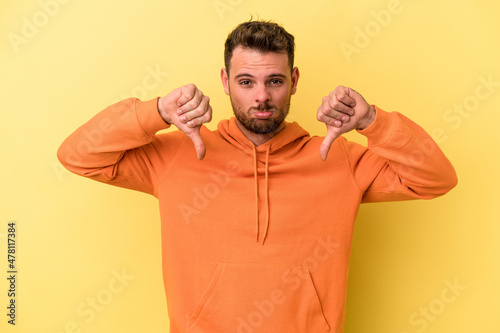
[(252, 298)]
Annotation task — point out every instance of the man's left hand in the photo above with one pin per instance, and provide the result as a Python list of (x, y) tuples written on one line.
[(343, 110)]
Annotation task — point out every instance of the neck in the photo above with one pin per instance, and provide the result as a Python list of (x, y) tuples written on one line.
[(256, 138)]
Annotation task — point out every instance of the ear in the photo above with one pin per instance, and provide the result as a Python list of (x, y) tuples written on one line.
[(295, 79), (225, 80)]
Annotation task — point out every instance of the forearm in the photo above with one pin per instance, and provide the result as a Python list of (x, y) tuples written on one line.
[(416, 166), (94, 148)]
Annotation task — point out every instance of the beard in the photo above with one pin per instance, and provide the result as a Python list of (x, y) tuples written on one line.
[(261, 126)]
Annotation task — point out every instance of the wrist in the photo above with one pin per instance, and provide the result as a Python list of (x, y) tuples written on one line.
[(368, 119), (148, 116), (162, 112)]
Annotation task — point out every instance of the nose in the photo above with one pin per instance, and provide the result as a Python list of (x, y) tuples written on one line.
[(261, 94)]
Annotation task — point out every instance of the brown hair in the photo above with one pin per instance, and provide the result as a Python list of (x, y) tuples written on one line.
[(263, 36)]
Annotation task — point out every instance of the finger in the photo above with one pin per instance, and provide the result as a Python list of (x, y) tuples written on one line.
[(326, 144), (188, 92), (335, 118), (200, 110), (199, 145), (347, 100), (204, 118), (340, 107), (343, 95), (331, 117), (192, 104), (356, 96)]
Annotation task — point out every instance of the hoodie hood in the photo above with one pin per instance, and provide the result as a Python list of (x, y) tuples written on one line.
[(287, 142)]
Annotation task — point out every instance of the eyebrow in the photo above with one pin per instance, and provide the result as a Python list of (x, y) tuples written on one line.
[(269, 76)]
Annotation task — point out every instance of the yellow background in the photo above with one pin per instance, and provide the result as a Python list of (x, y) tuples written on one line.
[(75, 235)]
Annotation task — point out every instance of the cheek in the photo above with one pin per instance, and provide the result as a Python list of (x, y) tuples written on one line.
[(240, 97), (282, 97)]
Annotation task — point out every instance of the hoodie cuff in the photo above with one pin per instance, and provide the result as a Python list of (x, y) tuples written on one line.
[(381, 129), (148, 116)]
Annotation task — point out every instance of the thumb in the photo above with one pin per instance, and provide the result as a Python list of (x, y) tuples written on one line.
[(199, 145), (327, 143)]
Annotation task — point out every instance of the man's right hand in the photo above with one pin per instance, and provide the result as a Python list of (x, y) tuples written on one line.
[(187, 108)]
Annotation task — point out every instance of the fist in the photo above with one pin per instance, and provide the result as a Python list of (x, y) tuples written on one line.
[(187, 108), (343, 110)]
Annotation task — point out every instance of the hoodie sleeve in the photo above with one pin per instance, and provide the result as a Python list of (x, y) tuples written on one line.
[(402, 161), (116, 146)]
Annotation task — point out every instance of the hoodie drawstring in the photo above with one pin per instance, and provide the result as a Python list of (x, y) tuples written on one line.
[(256, 193), (266, 193)]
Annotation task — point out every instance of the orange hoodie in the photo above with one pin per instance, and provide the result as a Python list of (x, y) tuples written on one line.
[(256, 239)]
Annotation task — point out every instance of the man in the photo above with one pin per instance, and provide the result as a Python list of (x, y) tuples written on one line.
[(257, 216)]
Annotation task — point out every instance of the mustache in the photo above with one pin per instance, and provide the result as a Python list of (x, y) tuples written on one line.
[(263, 107)]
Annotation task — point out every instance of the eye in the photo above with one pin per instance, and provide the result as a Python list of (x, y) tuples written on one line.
[(276, 82), (245, 82)]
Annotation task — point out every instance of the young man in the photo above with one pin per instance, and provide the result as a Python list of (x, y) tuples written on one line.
[(257, 216)]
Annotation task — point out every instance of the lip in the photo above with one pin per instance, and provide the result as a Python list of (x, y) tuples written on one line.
[(263, 114)]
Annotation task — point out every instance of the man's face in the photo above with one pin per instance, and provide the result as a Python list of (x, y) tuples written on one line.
[(260, 86)]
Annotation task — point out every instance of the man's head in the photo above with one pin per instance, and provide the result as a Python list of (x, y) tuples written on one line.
[(259, 76), (260, 36)]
